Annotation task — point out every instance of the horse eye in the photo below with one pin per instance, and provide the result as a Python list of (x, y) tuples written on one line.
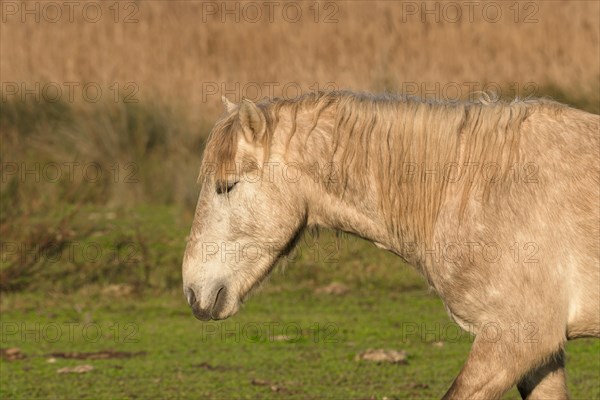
[(225, 187)]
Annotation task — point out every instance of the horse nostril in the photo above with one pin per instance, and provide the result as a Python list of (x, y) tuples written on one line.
[(191, 297), (220, 301)]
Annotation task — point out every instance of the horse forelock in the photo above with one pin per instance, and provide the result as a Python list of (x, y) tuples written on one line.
[(220, 149), (219, 157)]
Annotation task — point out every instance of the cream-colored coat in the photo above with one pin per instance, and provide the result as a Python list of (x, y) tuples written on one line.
[(497, 205)]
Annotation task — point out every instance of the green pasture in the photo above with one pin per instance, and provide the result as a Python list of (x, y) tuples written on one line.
[(294, 339)]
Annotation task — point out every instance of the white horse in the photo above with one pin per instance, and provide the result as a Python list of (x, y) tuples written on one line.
[(522, 178)]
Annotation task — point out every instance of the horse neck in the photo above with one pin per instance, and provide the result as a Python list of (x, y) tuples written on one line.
[(354, 193)]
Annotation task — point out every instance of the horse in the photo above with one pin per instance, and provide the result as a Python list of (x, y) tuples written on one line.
[(509, 189)]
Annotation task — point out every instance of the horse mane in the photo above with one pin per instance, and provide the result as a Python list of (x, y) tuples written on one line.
[(372, 139)]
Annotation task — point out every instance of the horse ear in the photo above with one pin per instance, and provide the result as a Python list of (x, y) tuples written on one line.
[(253, 121), (229, 106)]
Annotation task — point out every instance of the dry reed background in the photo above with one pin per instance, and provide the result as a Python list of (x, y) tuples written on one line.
[(176, 47), (180, 56)]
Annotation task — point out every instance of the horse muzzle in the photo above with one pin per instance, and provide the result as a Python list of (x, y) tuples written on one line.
[(211, 303)]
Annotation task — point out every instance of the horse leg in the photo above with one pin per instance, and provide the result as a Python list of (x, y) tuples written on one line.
[(548, 381), (494, 366)]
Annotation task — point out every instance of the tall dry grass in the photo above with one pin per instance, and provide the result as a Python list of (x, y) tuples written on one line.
[(178, 47)]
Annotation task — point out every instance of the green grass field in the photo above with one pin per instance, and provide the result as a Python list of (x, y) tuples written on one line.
[(290, 340)]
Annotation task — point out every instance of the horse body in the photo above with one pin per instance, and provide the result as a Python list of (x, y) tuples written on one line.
[(496, 204)]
